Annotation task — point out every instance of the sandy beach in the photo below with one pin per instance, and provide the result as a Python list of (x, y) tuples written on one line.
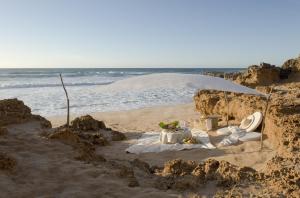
[(52, 165), (136, 122), (149, 99), (42, 157)]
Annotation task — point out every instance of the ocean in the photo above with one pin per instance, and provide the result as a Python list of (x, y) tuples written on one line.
[(41, 90)]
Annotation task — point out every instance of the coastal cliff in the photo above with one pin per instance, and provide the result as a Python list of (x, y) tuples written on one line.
[(282, 123)]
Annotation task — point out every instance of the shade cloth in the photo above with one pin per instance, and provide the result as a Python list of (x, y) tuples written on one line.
[(196, 81)]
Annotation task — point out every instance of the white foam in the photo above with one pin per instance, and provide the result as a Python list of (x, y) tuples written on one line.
[(50, 101)]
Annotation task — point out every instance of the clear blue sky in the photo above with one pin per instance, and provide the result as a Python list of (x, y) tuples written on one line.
[(147, 33)]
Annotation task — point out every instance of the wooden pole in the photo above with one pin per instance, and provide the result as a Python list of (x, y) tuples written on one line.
[(68, 102), (227, 104), (264, 119)]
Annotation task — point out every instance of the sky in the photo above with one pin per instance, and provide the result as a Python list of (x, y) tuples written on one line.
[(147, 33)]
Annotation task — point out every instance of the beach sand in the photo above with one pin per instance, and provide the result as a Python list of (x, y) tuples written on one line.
[(34, 164), (135, 122), (48, 169)]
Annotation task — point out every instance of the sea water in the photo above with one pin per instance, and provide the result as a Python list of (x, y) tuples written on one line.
[(41, 89)]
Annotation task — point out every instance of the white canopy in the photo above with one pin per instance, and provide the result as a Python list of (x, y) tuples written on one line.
[(195, 81)]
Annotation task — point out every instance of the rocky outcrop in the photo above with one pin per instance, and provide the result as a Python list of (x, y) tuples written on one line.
[(266, 74), (7, 163), (279, 178), (259, 75), (182, 175), (282, 120), (281, 175), (292, 64), (84, 134), (209, 102), (85, 149), (14, 111), (282, 127), (87, 123), (87, 127), (179, 167)]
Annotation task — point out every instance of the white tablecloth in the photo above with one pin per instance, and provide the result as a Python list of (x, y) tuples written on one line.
[(149, 142)]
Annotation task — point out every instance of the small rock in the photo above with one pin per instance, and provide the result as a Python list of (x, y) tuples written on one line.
[(87, 123), (179, 167)]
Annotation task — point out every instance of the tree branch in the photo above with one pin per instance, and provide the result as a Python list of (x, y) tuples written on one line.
[(68, 102)]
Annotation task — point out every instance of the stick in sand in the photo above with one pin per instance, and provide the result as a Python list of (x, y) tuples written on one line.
[(226, 101), (68, 103), (264, 119), (227, 107)]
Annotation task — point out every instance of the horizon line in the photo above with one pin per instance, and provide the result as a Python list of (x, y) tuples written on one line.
[(201, 67)]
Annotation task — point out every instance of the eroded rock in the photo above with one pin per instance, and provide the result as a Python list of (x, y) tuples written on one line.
[(43, 121), (259, 75), (89, 127), (7, 163), (210, 168), (14, 111), (179, 167), (188, 175), (85, 149), (95, 138), (282, 128), (87, 123), (292, 64)]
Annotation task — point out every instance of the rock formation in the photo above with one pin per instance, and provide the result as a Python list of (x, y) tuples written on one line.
[(292, 64), (264, 74), (87, 126), (7, 163), (282, 127), (181, 175), (14, 111), (87, 123), (241, 105), (85, 149), (209, 102), (84, 134)]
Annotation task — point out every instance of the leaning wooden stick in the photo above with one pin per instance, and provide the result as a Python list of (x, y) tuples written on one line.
[(68, 103), (226, 101), (227, 107), (264, 119)]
